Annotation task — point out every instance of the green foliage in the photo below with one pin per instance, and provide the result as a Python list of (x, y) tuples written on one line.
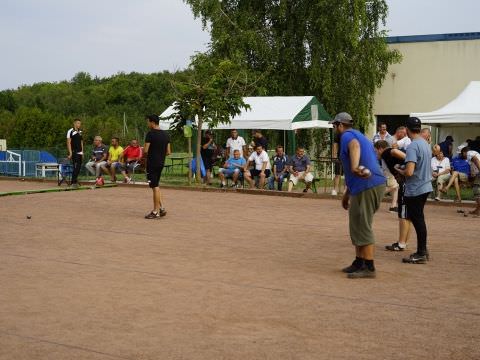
[(212, 92), (334, 50), (38, 116)]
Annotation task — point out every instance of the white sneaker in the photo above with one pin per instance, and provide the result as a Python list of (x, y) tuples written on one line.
[(334, 192)]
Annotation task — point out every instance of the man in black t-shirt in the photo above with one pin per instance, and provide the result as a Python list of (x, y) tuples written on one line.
[(75, 149), (157, 147)]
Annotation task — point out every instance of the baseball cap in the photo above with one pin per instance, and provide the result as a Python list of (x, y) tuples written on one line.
[(343, 117), (413, 123)]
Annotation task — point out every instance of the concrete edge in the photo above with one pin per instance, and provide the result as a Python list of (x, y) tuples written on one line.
[(430, 202)]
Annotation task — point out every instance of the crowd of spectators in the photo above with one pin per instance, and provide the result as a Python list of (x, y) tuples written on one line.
[(449, 166), (113, 160)]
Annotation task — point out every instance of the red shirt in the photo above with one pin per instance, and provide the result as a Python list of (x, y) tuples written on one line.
[(132, 152)]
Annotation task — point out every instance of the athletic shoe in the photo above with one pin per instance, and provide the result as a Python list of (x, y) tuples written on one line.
[(393, 209), (356, 264), (163, 212), (334, 193), (395, 247), (362, 273), (415, 258), (437, 198), (222, 185), (305, 190), (153, 215)]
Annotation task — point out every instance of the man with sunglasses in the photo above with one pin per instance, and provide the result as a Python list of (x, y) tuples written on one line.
[(365, 187)]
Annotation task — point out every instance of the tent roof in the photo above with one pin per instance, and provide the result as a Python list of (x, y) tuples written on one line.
[(464, 109), (275, 112)]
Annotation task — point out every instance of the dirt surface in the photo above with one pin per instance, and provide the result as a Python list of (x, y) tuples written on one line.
[(19, 185), (226, 276)]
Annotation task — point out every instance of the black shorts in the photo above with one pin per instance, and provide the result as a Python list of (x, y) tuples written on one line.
[(256, 172), (153, 176), (338, 168)]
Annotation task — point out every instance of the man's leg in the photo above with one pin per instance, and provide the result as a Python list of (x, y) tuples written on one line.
[(362, 208), (261, 181), (221, 176), (235, 175), (77, 163), (308, 178), (248, 177), (457, 188), (271, 182), (89, 166), (451, 181), (415, 205), (280, 181), (157, 203)]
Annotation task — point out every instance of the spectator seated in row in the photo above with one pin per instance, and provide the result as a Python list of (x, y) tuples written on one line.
[(259, 158), (440, 172), (115, 158), (132, 155), (232, 169), (300, 170), (280, 169), (461, 173), (98, 160)]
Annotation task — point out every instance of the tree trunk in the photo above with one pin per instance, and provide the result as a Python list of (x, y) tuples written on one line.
[(198, 172)]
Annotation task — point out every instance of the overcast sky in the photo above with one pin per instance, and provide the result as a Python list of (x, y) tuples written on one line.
[(51, 40)]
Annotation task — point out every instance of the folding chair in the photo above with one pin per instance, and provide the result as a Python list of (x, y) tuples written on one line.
[(65, 170)]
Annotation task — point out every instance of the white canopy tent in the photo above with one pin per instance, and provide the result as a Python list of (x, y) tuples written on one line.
[(459, 118), (272, 112)]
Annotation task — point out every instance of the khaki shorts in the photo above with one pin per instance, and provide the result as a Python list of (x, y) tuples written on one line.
[(362, 208), (308, 178), (443, 179)]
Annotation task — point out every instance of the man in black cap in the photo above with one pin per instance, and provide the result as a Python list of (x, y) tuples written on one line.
[(365, 185), (157, 147), (418, 185)]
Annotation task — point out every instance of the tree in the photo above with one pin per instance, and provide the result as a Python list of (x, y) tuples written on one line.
[(212, 92), (334, 50)]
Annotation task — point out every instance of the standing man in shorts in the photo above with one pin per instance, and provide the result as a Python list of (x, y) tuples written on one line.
[(418, 185), (157, 147), (363, 194), (75, 150)]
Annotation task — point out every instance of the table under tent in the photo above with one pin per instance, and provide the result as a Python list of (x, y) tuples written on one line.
[(287, 113), (460, 118)]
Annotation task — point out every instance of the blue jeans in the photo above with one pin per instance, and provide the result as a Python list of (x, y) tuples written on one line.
[(271, 181)]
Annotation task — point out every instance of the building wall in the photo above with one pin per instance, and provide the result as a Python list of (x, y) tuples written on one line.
[(430, 75)]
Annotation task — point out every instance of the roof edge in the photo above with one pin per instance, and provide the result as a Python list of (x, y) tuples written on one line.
[(433, 37)]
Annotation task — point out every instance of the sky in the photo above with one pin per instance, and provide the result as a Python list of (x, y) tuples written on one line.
[(52, 40)]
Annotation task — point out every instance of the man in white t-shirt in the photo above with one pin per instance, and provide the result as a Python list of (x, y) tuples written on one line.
[(259, 158), (440, 172), (401, 141), (235, 142)]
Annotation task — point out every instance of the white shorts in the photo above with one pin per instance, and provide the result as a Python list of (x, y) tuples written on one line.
[(308, 178)]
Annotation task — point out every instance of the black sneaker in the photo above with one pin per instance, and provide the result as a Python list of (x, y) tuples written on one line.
[(305, 190), (163, 212), (356, 264), (415, 258), (222, 185), (153, 215), (362, 273), (394, 247)]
